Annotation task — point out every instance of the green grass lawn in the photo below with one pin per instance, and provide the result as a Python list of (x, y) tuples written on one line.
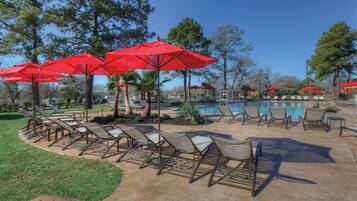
[(27, 172)]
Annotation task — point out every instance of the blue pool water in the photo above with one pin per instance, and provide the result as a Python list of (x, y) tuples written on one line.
[(295, 109)]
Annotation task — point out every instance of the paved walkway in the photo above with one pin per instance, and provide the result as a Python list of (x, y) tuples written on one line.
[(296, 165)]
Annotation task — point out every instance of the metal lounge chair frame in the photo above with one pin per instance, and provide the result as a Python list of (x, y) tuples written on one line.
[(103, 134), (138, 140), (240, 151), (56, 110), (313, 116), (182, 144), (279, 114), (50, 116), (227, 112), (248, 114)]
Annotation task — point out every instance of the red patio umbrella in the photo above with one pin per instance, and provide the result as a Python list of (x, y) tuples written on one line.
[(86, 64), (349, 84), (195, 87), (272, 88), (29, 72), (157, 55)]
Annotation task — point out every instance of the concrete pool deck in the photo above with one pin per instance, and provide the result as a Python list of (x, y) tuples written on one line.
[(295, 165)]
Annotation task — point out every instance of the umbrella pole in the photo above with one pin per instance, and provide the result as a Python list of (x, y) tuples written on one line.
[(158, 108), (33, 95), (86, 95)]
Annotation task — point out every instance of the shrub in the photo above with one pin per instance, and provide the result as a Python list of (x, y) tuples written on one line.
[(332, 109), (27, 105), (189, 113), (67, 102), (316, 105)]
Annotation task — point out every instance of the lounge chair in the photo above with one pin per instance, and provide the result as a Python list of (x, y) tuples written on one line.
[(313, 116), (306, 98), (283, 98), (299, 98), (138, 141), (276, 98), (196, 146), (56, 110), (54, 116), (135, 106), (245, 152), (227, 112), (103, 134), (75, 130), (315, 98), (44, 128), (253, 113), (292, 98), (279, 114), (321, 98)]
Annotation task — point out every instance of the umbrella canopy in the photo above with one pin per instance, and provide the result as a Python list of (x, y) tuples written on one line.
[(349, 84), (272, 88), (22, 79), (156, 55), (86, 64), (310, 88), (30, 71), (195, 87)]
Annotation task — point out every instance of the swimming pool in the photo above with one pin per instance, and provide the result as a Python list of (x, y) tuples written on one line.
[(295, 109)]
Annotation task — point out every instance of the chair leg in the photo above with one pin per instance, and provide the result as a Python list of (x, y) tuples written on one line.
[(213, 172), (165, 162), (110, 147), (122, 156), (87, 146), (73, 141), (260, 120), (270, 121), (195, 170), (254, 180)]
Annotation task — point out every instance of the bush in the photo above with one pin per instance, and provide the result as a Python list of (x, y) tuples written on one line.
[(332, 109), (189, 113), (27, 105), (67, 102), (316, 105)]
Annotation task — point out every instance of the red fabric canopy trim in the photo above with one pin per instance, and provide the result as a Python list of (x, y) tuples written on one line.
[(349, 84)]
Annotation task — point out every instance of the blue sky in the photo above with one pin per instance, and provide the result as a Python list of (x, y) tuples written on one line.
[(283, 32)]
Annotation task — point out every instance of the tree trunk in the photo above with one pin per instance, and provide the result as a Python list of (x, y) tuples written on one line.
[(34, 59), (116, 104), (185, 85), (189, 86), (225, 72), (126, 97), (147, 109), (337, 84), (90, 92)]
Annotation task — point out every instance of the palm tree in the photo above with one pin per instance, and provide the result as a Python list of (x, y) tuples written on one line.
[(113, 83), (129, 78), (147, 84)]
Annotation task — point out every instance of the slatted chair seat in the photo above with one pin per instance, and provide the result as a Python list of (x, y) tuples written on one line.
[(138, 141), (253, 113), (279, 114), (196, 146), (243, 151), (103, 134), (227, 112), (313, 116)]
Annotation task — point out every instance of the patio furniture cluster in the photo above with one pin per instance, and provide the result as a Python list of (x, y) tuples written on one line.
[(294, 98), (176, 151), (312, 116)]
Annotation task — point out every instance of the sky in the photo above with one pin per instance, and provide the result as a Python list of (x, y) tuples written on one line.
[(283, 32)]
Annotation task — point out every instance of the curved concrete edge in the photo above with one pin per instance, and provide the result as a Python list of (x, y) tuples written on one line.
[(62, 153)]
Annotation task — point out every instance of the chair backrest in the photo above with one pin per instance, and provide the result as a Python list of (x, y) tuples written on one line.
[(97, 130), (54, 108), (25, 112), (225, 110), (314, 115), (233, 149), (63, 125), (180, 141), (41, 111), (292, 97), (137, 135), (251, 111), (278, 113)]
